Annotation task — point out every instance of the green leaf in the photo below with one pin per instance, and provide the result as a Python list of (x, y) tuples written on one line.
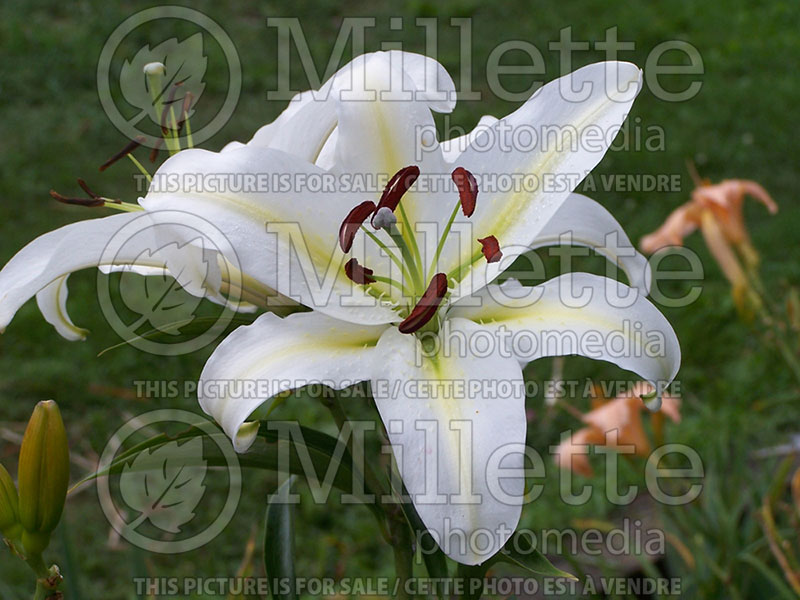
[(189, 326), (520, 551), (308, 450), (279, 544), (472, 577), (435, 561), (769, 574)]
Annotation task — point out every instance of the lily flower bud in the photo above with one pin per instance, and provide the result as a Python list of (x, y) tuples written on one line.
[(43, 476), (9, 504)]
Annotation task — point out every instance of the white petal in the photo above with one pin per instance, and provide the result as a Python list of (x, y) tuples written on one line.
[(301, 129), (585, 222), (578, 313), (385, 124), (105, 241), (54, 255), (52, 302), (453, 148), (273, 355), (431, 80), (516, 213), (138, 269), (326, 159), (231, 146), (456, 423), (308, 127), (299, 256)]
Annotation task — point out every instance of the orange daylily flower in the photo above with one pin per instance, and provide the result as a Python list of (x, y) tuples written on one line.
[(717, 211), (572, 453), (615, 423)]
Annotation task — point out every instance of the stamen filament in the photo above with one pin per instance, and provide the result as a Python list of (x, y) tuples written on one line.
[(189, 142), (393, 283), (445, 233), (417, 259), (456, 273), (122, 206), (141, 168), (388, 251), (172, 131), (155, 73), (408, 257)]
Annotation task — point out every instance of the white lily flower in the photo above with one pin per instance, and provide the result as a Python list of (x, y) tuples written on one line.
[(380, 296)]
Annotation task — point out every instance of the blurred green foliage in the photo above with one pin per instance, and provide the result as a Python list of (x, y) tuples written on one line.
[(737, 395)]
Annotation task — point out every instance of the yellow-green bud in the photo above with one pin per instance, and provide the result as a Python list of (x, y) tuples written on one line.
[(9, 503), (43, 476)]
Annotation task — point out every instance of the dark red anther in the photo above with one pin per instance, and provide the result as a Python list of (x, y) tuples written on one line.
[(352, 222), (89, 202), (168, 106), (156, 148), (467, 190), (398, 185), (427, 306), (129, 147), (187, 105), (85, 187), (491, 249), (356, 273)]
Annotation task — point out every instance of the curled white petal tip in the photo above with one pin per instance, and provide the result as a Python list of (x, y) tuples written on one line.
[(245, 436), (154, 68)]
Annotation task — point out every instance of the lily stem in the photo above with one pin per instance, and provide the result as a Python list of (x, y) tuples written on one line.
[(41, 591), (37, 565)]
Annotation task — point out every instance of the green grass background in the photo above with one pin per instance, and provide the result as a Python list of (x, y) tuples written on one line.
[(738, 396)]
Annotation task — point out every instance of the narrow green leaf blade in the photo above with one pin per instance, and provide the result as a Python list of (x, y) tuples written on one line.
[(520, 551), (279, 544)]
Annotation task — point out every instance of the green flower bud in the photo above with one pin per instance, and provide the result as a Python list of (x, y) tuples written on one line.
[(9, 503), (43, 475)]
